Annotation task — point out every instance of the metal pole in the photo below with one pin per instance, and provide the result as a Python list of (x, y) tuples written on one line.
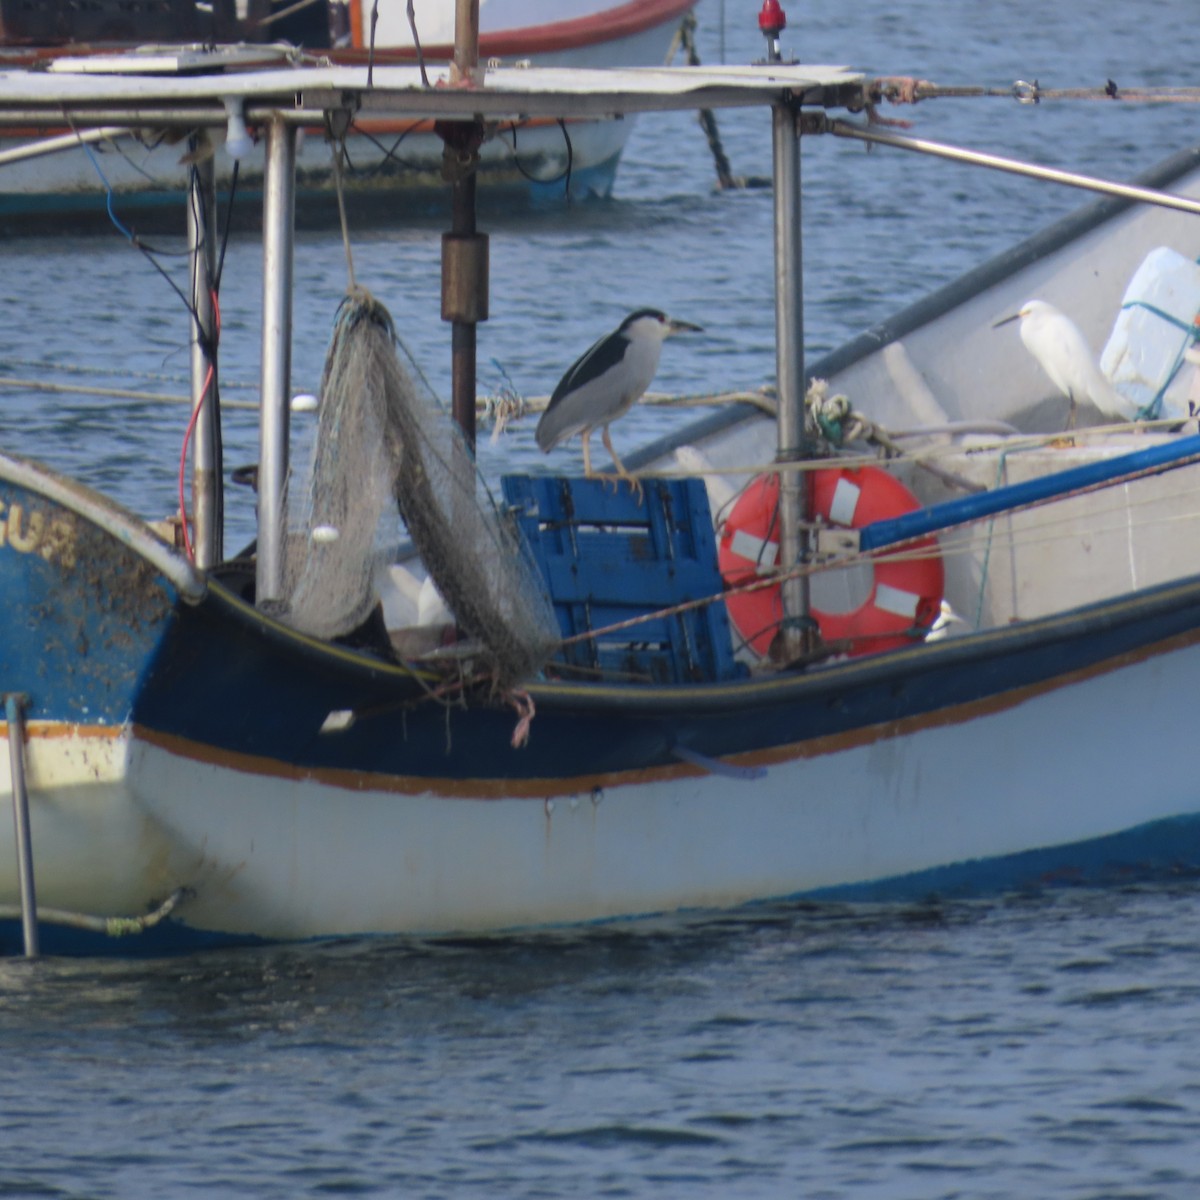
[(464, 300), (464, 249), (1014, 166), (797, 635), (466, 40), (279, 205), (65, 141), (207, 515), (15, 713)]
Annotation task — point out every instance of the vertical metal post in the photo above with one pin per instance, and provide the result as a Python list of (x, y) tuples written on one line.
[(464, 300), (207, 500), (15, 714), (464, 249), (797, 634), (466, 40), (279, 211)]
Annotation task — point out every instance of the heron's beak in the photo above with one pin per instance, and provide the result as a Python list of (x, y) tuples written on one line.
[(1005, 320), (674, 326)]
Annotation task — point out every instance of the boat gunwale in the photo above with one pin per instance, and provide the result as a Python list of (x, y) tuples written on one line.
[(787, 686), (204, 590), (110, 517), (936, 304)]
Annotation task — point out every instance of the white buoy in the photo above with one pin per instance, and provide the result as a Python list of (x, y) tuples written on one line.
[(324, 534), (432, 609), (304, 402)]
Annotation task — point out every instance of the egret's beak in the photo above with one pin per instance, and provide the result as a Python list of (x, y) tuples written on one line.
[(674, 326), (1005, 320)]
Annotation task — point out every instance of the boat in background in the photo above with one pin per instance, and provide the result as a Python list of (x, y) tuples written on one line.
[(389, 167), (192, 760)]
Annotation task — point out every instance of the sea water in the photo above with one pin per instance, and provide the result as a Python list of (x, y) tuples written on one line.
[(1030, 1045)]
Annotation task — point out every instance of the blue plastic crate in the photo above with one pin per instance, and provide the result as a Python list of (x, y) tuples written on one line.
[(606, 557)]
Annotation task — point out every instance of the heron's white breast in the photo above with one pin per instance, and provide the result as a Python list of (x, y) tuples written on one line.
[(641, 362)]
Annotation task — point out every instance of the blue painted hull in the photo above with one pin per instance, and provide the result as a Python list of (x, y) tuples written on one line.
[(389, 196), (224, 647)]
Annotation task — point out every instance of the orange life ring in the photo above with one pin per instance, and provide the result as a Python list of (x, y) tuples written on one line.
[(906, 593)]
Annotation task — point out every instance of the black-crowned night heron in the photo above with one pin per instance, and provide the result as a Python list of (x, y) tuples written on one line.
[(1063, 353), (606, 382)]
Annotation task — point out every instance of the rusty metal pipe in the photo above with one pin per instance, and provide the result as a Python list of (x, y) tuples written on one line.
[(14, 706)]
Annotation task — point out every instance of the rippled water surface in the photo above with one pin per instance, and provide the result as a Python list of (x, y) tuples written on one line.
[(1039, 1046), (1042, 1045)]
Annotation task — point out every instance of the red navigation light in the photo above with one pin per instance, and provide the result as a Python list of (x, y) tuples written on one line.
[(771, 18)]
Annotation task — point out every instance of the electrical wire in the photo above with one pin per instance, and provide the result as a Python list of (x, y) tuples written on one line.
[(388, 155), (566, 173), (187, 437)]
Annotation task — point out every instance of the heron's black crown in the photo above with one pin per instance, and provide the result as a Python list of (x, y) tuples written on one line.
[(641, 312)]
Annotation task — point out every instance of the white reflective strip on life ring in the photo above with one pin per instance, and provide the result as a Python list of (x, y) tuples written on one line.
[(844, 502), (756, 550), (893, 600)]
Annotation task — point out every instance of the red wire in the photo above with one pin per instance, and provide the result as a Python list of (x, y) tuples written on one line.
[(191, 425)]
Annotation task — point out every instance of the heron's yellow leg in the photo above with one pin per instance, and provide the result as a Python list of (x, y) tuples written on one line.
[(635, 485)]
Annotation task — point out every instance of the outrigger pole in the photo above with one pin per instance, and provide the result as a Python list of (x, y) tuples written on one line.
[(279, 218), (820, 123)]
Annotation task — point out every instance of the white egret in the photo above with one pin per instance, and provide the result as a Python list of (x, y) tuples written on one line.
[(1064, 354)]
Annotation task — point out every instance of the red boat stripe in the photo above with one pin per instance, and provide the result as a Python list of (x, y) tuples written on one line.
[(627, 20)]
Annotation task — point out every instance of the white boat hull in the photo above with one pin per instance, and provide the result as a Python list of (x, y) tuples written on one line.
[(264, 852)]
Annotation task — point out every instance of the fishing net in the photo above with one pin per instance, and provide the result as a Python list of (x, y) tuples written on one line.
[(384, 441)]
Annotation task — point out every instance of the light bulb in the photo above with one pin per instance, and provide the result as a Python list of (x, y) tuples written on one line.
[(238, 142)]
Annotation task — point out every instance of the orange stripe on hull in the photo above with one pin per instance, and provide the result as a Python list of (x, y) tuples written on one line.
[(51, 730), (540, 789)]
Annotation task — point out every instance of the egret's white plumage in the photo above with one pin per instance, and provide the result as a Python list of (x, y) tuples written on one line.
[(606, 382), (945, 625), (1062, 351)]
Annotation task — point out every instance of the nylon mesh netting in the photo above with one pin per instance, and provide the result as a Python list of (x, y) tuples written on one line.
[(382, 441)]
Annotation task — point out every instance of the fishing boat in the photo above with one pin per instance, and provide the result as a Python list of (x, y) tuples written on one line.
[(643, 701), (389, 165)]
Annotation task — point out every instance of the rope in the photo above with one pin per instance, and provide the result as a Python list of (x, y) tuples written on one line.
[(1152, 409), (37, 385), (112, 926), (1001, 473), (908, 90), (371, 47), (339, 148), (291, 10), (412, 24), (685, 39), (79, 369), (522, 701)]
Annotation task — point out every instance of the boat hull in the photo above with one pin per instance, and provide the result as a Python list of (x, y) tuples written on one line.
[(206, 764), (394, 168)]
